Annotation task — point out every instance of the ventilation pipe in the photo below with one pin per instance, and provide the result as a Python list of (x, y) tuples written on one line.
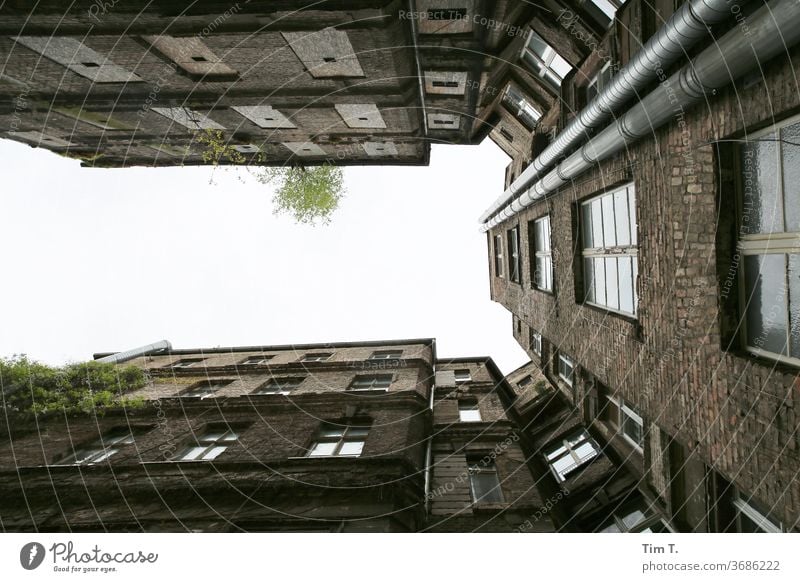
[(768, 32), (685, 28), (136, 352)]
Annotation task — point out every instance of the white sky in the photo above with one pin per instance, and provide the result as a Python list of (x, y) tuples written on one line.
[(107, 260)]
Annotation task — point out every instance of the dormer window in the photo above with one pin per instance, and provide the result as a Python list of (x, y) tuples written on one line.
[(543, 60)]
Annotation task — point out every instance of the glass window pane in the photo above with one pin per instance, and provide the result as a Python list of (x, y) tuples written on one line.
[(625, 268), (191, 453), (791, 176), (586, 451), (548, 272), (635, 280), (765, 297), (622, 214), (539, 278), (546, 234), (538, 241), (609, 225), (632, 211), (352, 448), (322, 449), (358, 431), (563, 465), (557, 452), (214, 453), (633, 518), (586, 220), (632, 429), (600, 281), (763, 204), (597, 222), (211, 437), (230, 436), (612, 285), (486, 487), (794, 304)]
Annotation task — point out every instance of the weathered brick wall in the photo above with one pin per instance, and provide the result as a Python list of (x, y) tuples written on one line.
[(737, 411)]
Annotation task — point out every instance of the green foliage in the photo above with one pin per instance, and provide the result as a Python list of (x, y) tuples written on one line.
[(29, 387), (308, 195)]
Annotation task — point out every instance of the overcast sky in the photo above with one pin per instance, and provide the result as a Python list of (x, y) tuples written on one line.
[(107, 260)]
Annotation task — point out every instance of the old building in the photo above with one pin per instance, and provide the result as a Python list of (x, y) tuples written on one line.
[(366, 436), (341, 81), (645, 244)]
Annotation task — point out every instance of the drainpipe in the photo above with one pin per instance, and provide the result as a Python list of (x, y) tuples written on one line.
[(136, 352), (684, 29), (768, 32), (412, 9), (429, 445)]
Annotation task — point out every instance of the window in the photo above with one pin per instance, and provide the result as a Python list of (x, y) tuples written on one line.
[(513, 254), (498, 255), (468, 411), (631, 425), (369, 383), (507, 135), (571, 453), (279, 386), (186, 363), (752, 520), (609, 250), (544, 61), (515, 102), (542, 267), (386, 355), (257, 360), (318, 357), (462, 376), (339, 441), (566, 369), (210, 445), (536, 343), (599, 82), (603, 11), (636, 518), (770, 243), (106, 446), (525, 382), (484, 483), (204, 389)]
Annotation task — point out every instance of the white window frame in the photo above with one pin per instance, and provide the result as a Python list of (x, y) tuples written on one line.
[(462, 375), (608, 252), (567, 361), (515, 102), (599, 82), (186, 363), (339, 436), (626, 412), (499, 267), (100, 450), (514, 255), (208, 445), (386, 355), (282, 386), (556, 454), (317, 357), (481, 468), (371, 383), (257, 360), (763, 244), (547, 64), (545, 254), (205, 388), (751, 513), (469, 411), (536, 343)]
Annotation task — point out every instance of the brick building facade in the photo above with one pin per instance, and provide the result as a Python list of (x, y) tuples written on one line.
[(655, 289)]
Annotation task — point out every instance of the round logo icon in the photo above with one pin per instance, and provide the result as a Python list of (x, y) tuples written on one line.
[(31, 555)]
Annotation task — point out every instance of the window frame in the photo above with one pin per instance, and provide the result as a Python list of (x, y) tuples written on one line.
[(312, 357), (541, 65), (599, 82), (383, 355), (616, 251), (376, 380), (569, 449), (477, 467), (184, 363), (764, 244), (514, 102), (514, 255), (467, 406), (257, 360), (498, 256), (545, 254), (281, 384), (743, 507), (110, 443), (562, 357), (536, 343), (350, 433), (220, 383), (460, 373), (224, 431)]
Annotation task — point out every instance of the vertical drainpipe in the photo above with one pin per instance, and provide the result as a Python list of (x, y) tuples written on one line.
[(429, 446), (412, 7)]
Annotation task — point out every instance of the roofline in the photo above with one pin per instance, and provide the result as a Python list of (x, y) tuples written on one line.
[(234, 349)]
